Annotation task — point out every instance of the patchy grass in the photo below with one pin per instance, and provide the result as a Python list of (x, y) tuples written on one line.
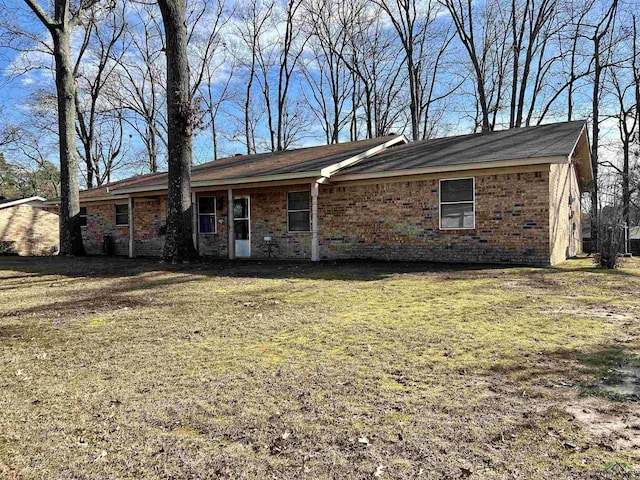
[(132, 369)]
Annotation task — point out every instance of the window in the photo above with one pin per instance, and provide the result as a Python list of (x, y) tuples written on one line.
[(298, 211), (122, 214), (83, 216), (457, 204), (206, 215)]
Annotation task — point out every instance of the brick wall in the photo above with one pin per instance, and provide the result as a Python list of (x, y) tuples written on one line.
[(149, 216), (215, 244), (400, 221), (564, 217), (29, 230), (101, 219), (269, 219), (149, 219), (393, 220)]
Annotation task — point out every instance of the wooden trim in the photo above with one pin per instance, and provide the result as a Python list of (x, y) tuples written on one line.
[(465, 167), (331, 169), (444, 175)]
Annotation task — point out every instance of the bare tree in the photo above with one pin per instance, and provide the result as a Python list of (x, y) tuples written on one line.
[(484, 37), (531, 30), (212, 69), (326, 75), (254, 18), (179, 242), (139, 84), (625, 88), (103, 30), (375, 61), (418, 32), (601, 51), (59, 24)]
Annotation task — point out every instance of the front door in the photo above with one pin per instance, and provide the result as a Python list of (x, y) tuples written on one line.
[(242, 226)]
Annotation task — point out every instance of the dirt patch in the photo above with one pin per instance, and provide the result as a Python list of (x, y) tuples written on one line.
[(612, 426), (601, 312)]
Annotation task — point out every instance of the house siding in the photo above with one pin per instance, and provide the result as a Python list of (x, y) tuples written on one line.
[(387, 220), (101, 223), (400, 221), (565, 213), (269, 219), (215, 245), (28, 230)]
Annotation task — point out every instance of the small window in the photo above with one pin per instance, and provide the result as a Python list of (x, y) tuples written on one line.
[(82, 216), (206, 215), (457, 205), (298, 211), (122, 214)]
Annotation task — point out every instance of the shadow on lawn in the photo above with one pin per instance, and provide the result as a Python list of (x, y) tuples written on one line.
[(100, 300), (103, 267)]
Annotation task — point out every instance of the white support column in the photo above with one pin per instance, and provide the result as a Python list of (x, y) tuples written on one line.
[(315, 234), (194, 216), (132, 230), (231, 237)]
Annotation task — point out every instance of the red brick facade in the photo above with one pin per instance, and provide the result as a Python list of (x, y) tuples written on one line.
[(521, 216)]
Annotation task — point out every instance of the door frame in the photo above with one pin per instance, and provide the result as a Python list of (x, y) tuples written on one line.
[(248, 219)]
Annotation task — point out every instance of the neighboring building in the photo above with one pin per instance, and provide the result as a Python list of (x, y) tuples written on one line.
[(27, 227), (502, 197), (634, 240)]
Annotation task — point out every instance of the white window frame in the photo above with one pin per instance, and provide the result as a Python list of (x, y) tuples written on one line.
[(214, 214), (472, 202), (294, 211), (85, 216), (115, 213)]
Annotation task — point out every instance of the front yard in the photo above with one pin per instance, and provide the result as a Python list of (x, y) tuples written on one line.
[(112, 368)]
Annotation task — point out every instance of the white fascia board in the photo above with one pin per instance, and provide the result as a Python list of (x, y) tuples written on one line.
[(583, 133), (22, 201), (331, 169), (453, 168)]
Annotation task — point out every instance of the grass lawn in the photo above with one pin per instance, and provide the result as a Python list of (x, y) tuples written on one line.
[(113, 368)]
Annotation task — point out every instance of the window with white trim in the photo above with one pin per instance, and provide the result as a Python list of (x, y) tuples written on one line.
[(207, 215), (122, 214), (457, 204), (299, 211)]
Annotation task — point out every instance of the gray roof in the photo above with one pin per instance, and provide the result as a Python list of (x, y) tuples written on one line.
[(557, 139)]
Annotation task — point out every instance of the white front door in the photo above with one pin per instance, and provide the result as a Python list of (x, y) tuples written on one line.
[(242, 226)]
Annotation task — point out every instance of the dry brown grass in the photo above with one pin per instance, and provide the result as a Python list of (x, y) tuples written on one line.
[(131, 369)]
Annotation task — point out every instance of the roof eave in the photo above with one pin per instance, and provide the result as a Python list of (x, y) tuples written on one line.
[(580, 156)]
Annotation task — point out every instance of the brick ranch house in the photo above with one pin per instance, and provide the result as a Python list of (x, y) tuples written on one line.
[(502, 197), (27, 227)]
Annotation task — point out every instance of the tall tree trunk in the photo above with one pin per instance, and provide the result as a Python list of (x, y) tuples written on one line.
[(179, 241), (60, 29), (70, 233)]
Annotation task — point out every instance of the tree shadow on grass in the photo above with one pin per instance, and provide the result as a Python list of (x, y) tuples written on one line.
[(346, 270), (99, 300)]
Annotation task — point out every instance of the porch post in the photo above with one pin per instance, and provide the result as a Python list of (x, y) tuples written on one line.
[(132, 228), (232, 238), (194, 216), (315, 246)]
